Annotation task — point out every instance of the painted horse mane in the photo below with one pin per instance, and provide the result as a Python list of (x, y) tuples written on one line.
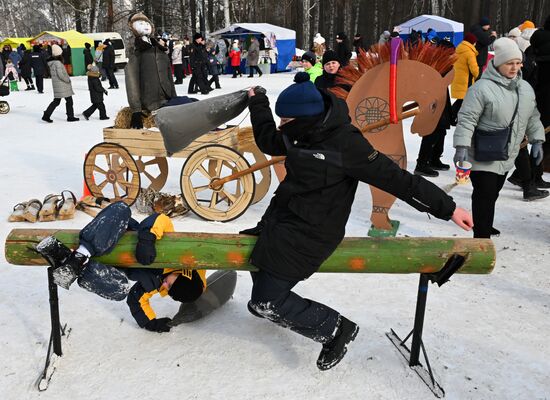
[(440, 58)]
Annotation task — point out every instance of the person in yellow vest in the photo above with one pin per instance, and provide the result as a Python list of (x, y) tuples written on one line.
[(466, 72)]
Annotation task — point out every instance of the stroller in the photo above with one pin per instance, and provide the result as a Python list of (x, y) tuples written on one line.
[(4, 91)]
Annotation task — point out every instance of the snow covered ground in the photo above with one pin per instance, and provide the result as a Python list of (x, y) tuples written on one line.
[(486, 335)]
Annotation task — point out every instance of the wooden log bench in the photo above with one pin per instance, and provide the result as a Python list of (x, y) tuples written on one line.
[(435, 259)]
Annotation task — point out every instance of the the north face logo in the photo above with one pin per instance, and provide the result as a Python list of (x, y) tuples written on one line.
[(319, 156)]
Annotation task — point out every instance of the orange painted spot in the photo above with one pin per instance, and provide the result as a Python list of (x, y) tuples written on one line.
[(188, 260), (127, 258), (357, 264), (427, 269), (235, 258)]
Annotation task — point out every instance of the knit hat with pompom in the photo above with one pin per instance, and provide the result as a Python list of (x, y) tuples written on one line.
[(301, 99)]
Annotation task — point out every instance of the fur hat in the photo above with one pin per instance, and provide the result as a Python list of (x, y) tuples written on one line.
[(330, 55), (56, 50), (505, 50), (196, 36), (470, 38), (139, 16), (93, 71), (341, 36), (526, 25), (310, 57), (302, 99)]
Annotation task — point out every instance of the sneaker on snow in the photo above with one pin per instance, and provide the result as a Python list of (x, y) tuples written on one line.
[(333, 351)]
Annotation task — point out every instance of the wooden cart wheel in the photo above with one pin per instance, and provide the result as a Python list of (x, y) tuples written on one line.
[(4, 107), (154, 171), (261, 177), (110, 171), (229, 201)]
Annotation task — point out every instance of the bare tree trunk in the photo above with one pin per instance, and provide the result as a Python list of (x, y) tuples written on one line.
[(110, 15), (193, 8), (306, 12), (226, 19)]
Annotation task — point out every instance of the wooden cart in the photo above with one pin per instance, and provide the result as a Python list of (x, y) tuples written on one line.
[(131, 159)]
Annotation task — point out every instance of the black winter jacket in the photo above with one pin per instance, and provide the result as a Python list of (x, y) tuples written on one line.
[(25, 65), (484, 40), (108, 57), (96, 89), (540, 43), (38, 63), (88, 59), (198, 56), (325, 161)]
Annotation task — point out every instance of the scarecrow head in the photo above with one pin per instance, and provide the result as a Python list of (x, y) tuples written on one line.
[(140, 25)]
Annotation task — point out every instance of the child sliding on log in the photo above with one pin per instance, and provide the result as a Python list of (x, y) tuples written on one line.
[(326, 157), (100, 237)]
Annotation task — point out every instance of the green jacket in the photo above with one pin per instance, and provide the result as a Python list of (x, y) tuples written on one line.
[(315, 71), (489, 104)]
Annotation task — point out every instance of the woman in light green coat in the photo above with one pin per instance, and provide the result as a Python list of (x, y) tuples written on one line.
[(489, 105)]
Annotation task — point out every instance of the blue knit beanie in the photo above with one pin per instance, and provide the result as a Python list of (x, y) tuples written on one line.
[(301, 99)]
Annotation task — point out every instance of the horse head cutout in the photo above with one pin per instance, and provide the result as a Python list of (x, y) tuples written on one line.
[(424, 72)]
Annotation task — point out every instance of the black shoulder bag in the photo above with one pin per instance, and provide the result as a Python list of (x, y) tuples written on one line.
[(493, 145)]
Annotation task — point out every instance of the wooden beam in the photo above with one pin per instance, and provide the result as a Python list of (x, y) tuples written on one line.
[(227, 251)]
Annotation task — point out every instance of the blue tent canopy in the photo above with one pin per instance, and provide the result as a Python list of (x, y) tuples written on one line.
[(445, 28), (281, 39)]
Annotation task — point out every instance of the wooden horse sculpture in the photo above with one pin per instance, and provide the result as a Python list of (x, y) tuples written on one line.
[(424, 73)]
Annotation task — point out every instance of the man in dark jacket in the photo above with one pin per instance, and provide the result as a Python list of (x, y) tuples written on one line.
[(199, 65), (109, 64), (88, 59), (149, 83), (484, 40), (540, 43), (326, 157), (39, 66)]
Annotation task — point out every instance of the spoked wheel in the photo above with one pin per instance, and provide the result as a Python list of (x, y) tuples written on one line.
[(154, 172), (223, 203), (4, 107), (110, 171), (261, 177)]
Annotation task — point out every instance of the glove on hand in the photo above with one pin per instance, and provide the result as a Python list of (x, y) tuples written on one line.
[(536, 152), (461, 154), (259, 89), (145, 248), (158, 325), (137, 122)]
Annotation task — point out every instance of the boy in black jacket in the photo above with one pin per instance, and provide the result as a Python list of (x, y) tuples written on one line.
[(326, 157), (96, 94)]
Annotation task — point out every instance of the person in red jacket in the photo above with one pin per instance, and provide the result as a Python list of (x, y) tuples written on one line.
[(235, 56)]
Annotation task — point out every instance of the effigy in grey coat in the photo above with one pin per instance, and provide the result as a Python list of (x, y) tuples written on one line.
[(61, 82), (489, 104), (148, 73)]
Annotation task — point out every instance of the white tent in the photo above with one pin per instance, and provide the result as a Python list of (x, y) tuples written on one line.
[(282, 39), (443, 26)]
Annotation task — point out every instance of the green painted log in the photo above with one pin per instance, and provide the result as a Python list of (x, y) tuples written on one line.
[(226, 251)]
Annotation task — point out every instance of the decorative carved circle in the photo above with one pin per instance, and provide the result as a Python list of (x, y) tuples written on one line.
[(370, 110)]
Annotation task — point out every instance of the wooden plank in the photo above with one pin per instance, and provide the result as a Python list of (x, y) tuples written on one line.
[(146, 142), (227, 251)]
